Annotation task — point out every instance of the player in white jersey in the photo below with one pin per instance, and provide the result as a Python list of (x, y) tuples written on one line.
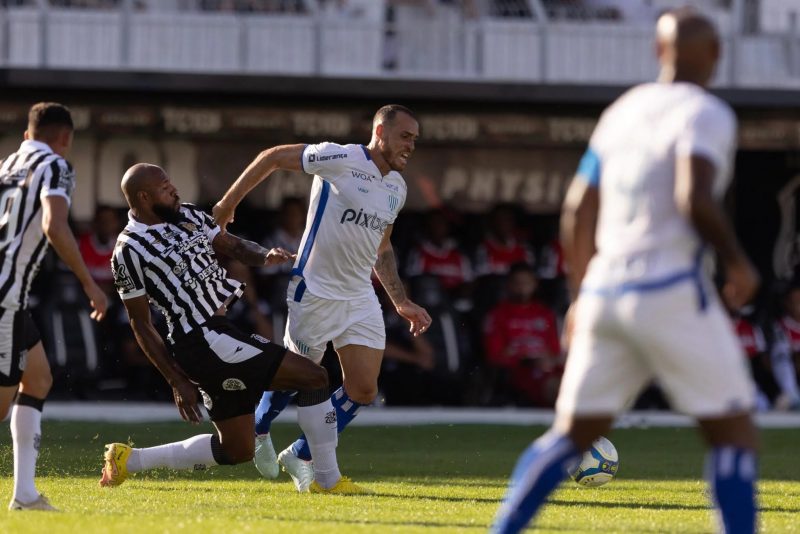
[(356, 194), (36, 185), (635, 220)]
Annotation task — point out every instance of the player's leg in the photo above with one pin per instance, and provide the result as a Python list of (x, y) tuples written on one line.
[(232, 444), (602, 376), (731, 470), (360, 369), (703, 370), (26, 422)]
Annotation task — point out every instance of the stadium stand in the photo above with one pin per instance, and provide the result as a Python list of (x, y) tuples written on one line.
[(475, 157)]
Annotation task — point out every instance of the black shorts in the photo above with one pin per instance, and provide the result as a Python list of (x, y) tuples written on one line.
[(18, 335), (232, 369)]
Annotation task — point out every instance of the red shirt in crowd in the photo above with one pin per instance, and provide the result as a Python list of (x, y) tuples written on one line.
[(750, 336), (514, 332), (493, 257), (447, 262), (97, 257), (792, 330)]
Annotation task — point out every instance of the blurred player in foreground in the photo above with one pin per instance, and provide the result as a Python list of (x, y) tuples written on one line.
[(645, 196), (165, 256), (356, 195), (36, 185)]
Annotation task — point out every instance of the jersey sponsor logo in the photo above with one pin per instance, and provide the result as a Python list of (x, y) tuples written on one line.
[(363, 189), (330, 417), (189, 227), (233, 384), (122, 279), (180, 268), (66, 181), (372, 222), (313, 157), (393, 187), (259, 338), (362, 176)]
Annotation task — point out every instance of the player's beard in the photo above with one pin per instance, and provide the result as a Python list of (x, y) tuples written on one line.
[(167, 213)]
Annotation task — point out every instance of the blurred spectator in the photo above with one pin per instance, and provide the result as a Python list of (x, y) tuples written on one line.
[(521, 342), (438, 254), (289, 233), (755, 348), (503, 246), (97, 245)]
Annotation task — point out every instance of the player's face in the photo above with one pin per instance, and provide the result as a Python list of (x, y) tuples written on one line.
[(521, 286), (165, 200), (398, 139)]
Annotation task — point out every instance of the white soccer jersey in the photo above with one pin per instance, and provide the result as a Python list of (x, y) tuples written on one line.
[(351, 206), (641, 235)]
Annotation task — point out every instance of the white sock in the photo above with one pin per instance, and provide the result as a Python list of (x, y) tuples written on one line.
[(26, 432), (193, 453), (318, 423)]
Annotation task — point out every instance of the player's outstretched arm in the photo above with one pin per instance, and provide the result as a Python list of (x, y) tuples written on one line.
[(184, 391), (56, 228), (248, 252), (386, 270), (286, 157), (694, 179)]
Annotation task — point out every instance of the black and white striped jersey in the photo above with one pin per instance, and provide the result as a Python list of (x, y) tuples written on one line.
[(26, 177), (175, 266)]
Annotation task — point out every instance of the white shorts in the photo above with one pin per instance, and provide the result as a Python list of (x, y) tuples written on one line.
[(313, 321), (621, 343)]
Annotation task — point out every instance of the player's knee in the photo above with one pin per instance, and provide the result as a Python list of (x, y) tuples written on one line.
[(318, 378), (362, 393), (37, 385)]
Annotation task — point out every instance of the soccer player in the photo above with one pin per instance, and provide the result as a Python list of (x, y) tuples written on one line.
[(165, 256), (36, 185), (636, 219), (356, 194)]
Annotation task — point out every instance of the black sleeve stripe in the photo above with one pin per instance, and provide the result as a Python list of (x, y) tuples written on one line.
[(55, 174), (133, 265)]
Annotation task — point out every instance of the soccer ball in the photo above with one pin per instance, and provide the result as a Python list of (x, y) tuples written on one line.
[(598, 466)]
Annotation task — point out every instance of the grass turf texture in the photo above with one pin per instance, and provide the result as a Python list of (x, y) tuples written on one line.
[(427, 478)]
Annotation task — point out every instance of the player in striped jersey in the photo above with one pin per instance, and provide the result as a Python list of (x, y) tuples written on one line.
[(165, 256), (36, 185)]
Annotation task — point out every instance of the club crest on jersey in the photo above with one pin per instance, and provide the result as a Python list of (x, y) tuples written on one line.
[(393, 202), (233, 384), (189, 227)]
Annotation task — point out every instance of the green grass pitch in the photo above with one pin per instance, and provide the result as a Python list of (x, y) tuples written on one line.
[(435, 478)]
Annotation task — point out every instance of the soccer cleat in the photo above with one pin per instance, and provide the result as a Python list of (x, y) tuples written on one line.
[(301, 471), (344, 486), (265, 458), (40, 504), (115, 466)]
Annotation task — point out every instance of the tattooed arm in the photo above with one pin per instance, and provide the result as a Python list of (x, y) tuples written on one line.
[(386, 270), (247, 252)]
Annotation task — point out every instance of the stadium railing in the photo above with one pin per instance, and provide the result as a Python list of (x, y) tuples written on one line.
[(416, 44)]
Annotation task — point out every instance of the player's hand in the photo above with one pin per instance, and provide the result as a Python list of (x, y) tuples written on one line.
[(741, 283), (223, 215), (277, 256), (97, 299), (416, 315), (186, 399)]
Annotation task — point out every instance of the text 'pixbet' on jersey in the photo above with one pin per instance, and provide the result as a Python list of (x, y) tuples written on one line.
[(373, 222)]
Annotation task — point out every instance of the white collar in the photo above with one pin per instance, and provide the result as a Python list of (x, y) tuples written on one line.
[(32, 145)]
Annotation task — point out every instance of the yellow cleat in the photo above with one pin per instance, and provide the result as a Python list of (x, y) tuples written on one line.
[(115, 468), (345, 486)]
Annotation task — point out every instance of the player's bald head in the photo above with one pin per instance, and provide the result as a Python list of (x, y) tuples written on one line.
[(688, 44), (140, 177)]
